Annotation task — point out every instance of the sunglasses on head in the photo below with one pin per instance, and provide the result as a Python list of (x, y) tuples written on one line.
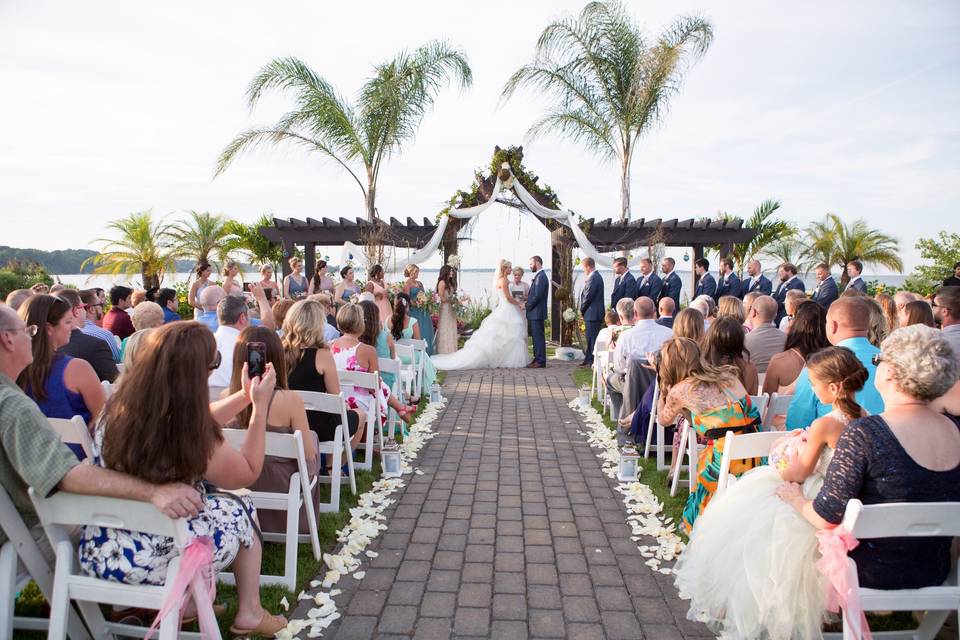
[(213, 366), (876, 359)]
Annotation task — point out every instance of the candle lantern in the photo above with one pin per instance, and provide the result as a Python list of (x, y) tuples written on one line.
[(584, 397), (629, 464), (435, 393), (390, 455)]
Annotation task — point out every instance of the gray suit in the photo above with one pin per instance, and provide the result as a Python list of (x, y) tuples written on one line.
[(763, 343)]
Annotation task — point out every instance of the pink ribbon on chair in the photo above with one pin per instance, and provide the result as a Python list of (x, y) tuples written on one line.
[(196, 573), (841, 573)]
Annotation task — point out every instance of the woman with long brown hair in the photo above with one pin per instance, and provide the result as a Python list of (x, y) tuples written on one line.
[(446, 341), (321, 282), (715, 402), (376, 278), (158, 427), (689, 324), (889, 306), (807, 335), (724, 344), (919, 312), (62, 386)]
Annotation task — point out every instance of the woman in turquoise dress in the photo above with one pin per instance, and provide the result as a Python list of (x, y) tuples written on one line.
[(715, 402), (403, 326), (413, 287)]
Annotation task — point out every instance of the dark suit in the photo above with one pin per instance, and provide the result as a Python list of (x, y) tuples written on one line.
[(624, 286), (761, 284), (665, 322), (826, 293), (537, 315), (93, 350), (651, 288), (729, 286), (781, 295), (706, 287), (859, 285), (592, 309), (671, 289)]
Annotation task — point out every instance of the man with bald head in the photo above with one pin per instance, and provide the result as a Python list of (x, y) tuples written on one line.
[(209, 298), (764, 340), (645, 337), (755, 280), (848, 322), (666, 310)]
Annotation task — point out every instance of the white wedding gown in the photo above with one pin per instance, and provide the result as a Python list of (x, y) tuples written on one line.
[(500, 342)]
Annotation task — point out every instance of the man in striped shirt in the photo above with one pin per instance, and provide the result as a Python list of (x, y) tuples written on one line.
[(94, 308)]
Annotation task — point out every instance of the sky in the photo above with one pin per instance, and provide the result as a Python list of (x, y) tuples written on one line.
[(108, 108)]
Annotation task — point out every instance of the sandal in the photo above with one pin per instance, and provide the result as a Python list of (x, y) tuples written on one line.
[(406, 415), (268, 627)]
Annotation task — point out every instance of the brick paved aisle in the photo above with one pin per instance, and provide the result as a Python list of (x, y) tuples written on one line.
[(512, 531)]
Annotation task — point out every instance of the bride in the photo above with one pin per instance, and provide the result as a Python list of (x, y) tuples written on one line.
[(501, 340)]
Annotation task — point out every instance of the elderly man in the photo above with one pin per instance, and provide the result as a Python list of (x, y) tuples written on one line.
[(764, 340), (666, 311), (848, 322), (209, 298), (86, 347), (31, 454), (645, 337), (755, 280), (946, 309), (233, 317), (826, 291)]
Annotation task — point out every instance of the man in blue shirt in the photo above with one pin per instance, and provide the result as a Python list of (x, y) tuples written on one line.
[(209, 298), (848, 321), (167, 299)]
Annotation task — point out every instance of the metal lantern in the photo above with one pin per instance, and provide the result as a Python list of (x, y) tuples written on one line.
[(629, 464), (390, 456), (435, 393), (584, 397)]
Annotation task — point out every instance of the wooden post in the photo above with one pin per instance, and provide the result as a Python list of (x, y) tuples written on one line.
[(561, 282), (310, 259)]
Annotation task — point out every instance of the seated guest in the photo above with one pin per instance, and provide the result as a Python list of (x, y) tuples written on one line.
[(889, 307), (808, 334), (716, 403), (689, 324), (707, 306), (91, 325), (62, 386), (748, 302), (310, 367), (170, 302), (117, 320), (146, 315), (208, 300), (848, 322), (900, 300), (285, 414), (731, 307), (626, 318), (94, 350), (134, 343), (39, 288), (326, 301), (33, 456), (611, 320), (878, 330), (724, 345), (152, 293), (918, 312), (906, 453), (764, 340), (792, 298), (666, 311), (138, 296), (17, 297), (644, 338), (232, 318), (172, 437), (404, 326), (947, 305), (378, 336), (280, 309)]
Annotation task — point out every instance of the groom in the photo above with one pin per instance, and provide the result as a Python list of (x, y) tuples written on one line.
[(537, 312)]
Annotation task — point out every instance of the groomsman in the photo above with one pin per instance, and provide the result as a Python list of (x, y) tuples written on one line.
[(854, 269), (591, 307), (625, 286), (650, 283), (537, 312), (729, 282), (826, 292), (788, 280), (707, 286), (671, 282), (757, 281)]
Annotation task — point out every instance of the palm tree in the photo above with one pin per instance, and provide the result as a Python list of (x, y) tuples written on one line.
[(200, 236), (768, 231), (787, 249), (142, 247), (388, 111), (835, 243), (608, 82), (248, 239)]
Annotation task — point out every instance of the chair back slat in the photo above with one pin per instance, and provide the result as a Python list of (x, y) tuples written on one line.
[(743, 446), (279, 445), (362, 379), (389, 365), (405, 351), (73, 431), (322, 402), (73, 510), (902, 520), (419, 345), (777, 406), (760, 402)]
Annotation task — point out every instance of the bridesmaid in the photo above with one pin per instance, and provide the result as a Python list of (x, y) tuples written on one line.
[(377, 280), (266, 281), (404, 327), (232, 281), (347, 287), (447, 326), (321, 282), (203, 271), (295, 284), (413, 287)]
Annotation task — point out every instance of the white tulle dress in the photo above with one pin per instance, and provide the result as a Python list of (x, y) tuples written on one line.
[(500, 342), (749, 569)]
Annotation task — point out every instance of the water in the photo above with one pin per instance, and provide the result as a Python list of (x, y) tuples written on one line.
[(476, 282)]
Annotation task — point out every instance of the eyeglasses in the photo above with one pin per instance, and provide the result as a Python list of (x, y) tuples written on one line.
[(93, 306), (213, 366), (30, 330), (876, 359)]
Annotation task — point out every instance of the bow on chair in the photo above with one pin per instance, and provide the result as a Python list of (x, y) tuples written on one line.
[(195, 573), (844, 589)]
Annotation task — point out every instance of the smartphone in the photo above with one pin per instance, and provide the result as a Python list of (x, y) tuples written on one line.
[(256, 358)]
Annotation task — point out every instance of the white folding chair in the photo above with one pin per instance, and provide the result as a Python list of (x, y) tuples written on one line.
[(393, 366), (61, 513), (420, 349), (600, 360), (299, 494), (371, 383), (21, 547), (760, 402), (906, 520), (660, 452), (336, 448), (777, 406), (743, 446), (409, 369), (107, 389), (688, 448), (74, 431)]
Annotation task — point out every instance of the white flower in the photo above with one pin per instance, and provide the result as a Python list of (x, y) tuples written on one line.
[(569, 315)]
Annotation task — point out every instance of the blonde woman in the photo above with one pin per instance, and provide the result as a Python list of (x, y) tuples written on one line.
[(232, 283), (731, 307), (295, 285), (501, 340)]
